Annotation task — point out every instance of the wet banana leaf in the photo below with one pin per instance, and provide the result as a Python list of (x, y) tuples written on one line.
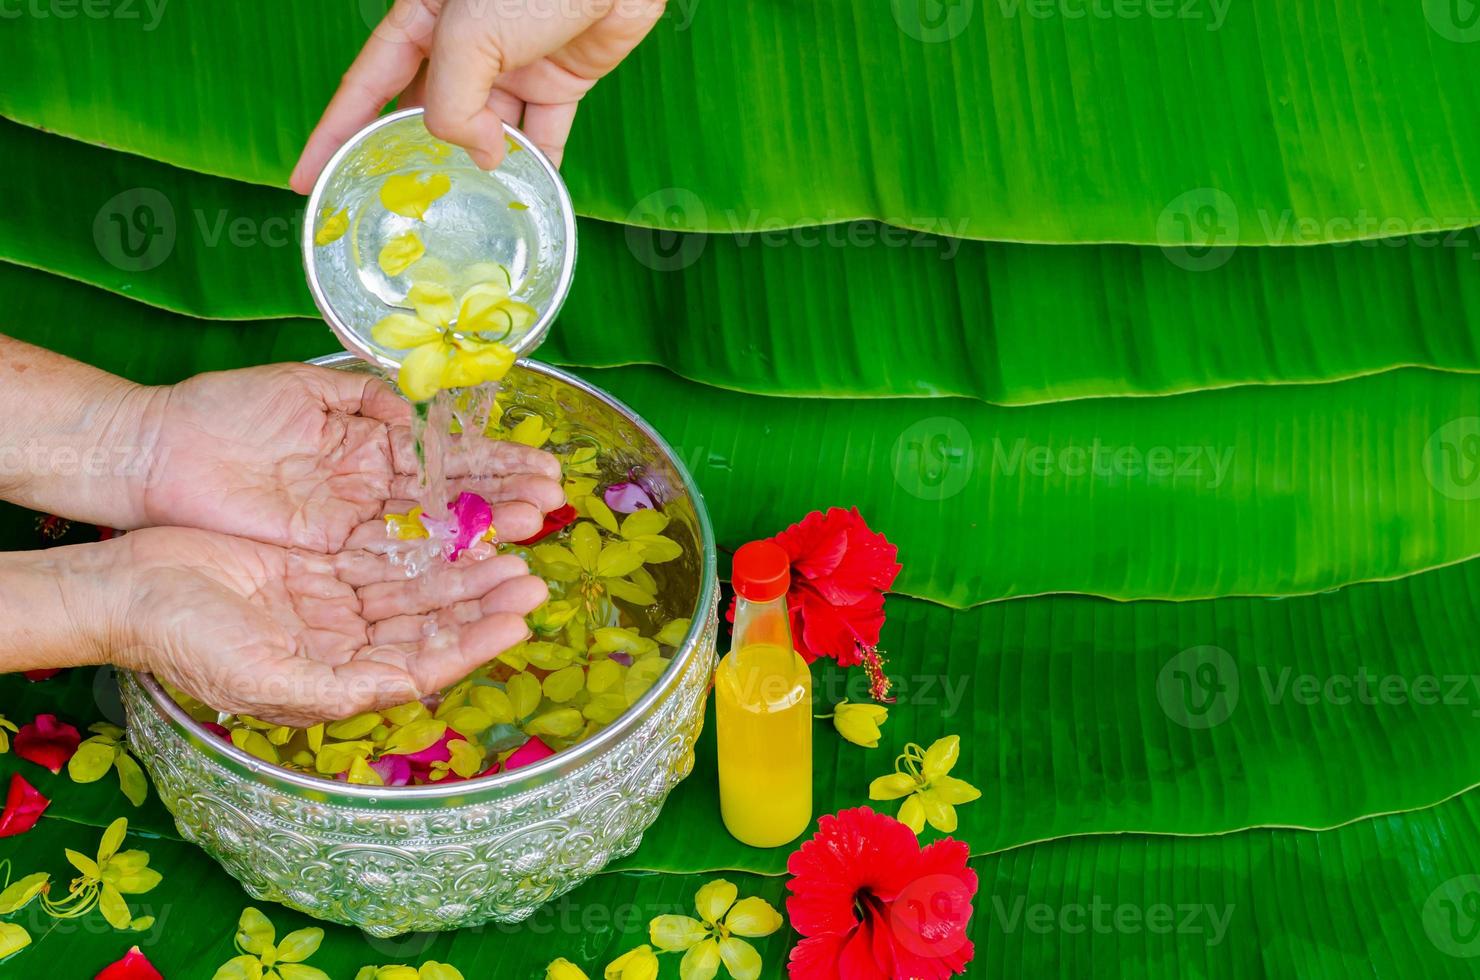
[(1081, 716), (1012, 120), (867, 311)]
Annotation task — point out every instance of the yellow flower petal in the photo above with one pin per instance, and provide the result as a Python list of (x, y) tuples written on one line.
[(401, 253), (432, 302), (524, 693), (565, 684), (912, 814), (942, 816), (676, 933), (753, 917), (715, 899), (361, 774), (354, 727), (949, 789), (332, 226), (585, 545), (402, 331), (493, 701), (859, 723), (564, 969), (475, 310), (740, 958), (560, 723), (701, 962), (531, 431), (940, 757), (468, 368), (406, 527), (892, 786), (635, 964), (420, 376), (410, 195)]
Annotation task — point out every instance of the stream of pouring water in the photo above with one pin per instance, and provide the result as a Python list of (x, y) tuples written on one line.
[(449, 436)]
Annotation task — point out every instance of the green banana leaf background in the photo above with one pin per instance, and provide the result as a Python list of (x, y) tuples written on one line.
[(1147, 331)]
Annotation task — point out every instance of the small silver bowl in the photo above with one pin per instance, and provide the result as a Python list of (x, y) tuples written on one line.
[(391, 860), (519, 217)]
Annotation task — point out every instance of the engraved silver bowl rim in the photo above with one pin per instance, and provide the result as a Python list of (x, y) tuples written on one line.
[(527, 777), (355, 343)]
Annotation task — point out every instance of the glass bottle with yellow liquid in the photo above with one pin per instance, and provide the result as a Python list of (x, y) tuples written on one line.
[(763, 708)]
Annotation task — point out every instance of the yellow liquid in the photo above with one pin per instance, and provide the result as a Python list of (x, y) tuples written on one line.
[(763, 712)]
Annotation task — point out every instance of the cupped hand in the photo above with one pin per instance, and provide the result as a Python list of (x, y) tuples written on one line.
[(477, 63), (299, 456), (295, 637)]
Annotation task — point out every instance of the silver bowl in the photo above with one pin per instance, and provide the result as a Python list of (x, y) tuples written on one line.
[(423, 858), (471, 224)]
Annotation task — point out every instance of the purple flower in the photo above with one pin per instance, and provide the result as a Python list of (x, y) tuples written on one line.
[(625, 498)]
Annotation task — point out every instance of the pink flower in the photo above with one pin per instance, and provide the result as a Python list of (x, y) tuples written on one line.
[(23, 807), (393, 770), (624, 498), (471, 518), (220, 731), (134, 966), (47, 742), (528, 754), (420, 763)]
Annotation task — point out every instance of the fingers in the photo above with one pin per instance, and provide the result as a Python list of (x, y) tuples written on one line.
[(445, 586), (387, 64), (466, 58), (450, 656), (549, 127), (475, 456), (512, 522), (516, 596), (543, 493)]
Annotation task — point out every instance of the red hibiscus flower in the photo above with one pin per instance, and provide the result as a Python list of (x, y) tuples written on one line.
[(557, 520), (23, 807), (47, 742), (872, 905), (840, 571), (134, 966)]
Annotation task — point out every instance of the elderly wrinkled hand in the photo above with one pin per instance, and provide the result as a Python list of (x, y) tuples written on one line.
[(257, 574), (296, 455), (296, 637)]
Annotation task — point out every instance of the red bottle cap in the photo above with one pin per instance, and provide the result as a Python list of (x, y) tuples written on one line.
[(761, 572)]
